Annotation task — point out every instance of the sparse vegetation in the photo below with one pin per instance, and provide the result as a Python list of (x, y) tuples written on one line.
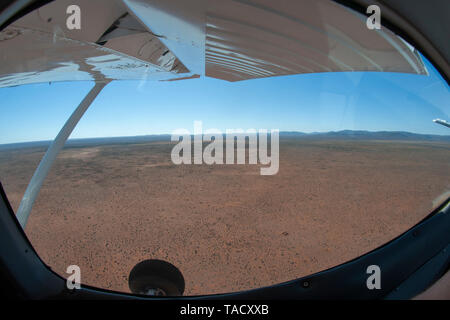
[(107, 207)]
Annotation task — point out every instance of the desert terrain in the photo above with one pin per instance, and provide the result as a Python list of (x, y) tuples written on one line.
[(227, 228)]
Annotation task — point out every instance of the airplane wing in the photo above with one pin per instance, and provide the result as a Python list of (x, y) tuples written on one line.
[(231, 40), (442, 122)]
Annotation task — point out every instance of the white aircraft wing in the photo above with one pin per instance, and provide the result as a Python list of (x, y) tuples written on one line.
[(168, 40), (442, 122)]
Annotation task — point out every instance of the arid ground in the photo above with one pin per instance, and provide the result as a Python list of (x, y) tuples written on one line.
[(226, 227)]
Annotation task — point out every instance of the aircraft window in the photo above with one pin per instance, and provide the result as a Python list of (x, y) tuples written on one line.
[(326, 166)]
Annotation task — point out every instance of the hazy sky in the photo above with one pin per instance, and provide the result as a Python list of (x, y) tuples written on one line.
[(314, 102)]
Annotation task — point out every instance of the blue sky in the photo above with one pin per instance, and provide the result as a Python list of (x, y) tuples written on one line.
[(313, 102)]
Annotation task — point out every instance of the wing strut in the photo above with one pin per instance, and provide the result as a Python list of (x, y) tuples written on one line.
[(47, 161)]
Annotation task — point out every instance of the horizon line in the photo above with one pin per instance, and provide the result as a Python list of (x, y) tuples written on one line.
[(286, 131)]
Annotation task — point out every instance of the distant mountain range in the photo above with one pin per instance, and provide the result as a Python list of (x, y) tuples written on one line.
[(332, 135), (369, 135)]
